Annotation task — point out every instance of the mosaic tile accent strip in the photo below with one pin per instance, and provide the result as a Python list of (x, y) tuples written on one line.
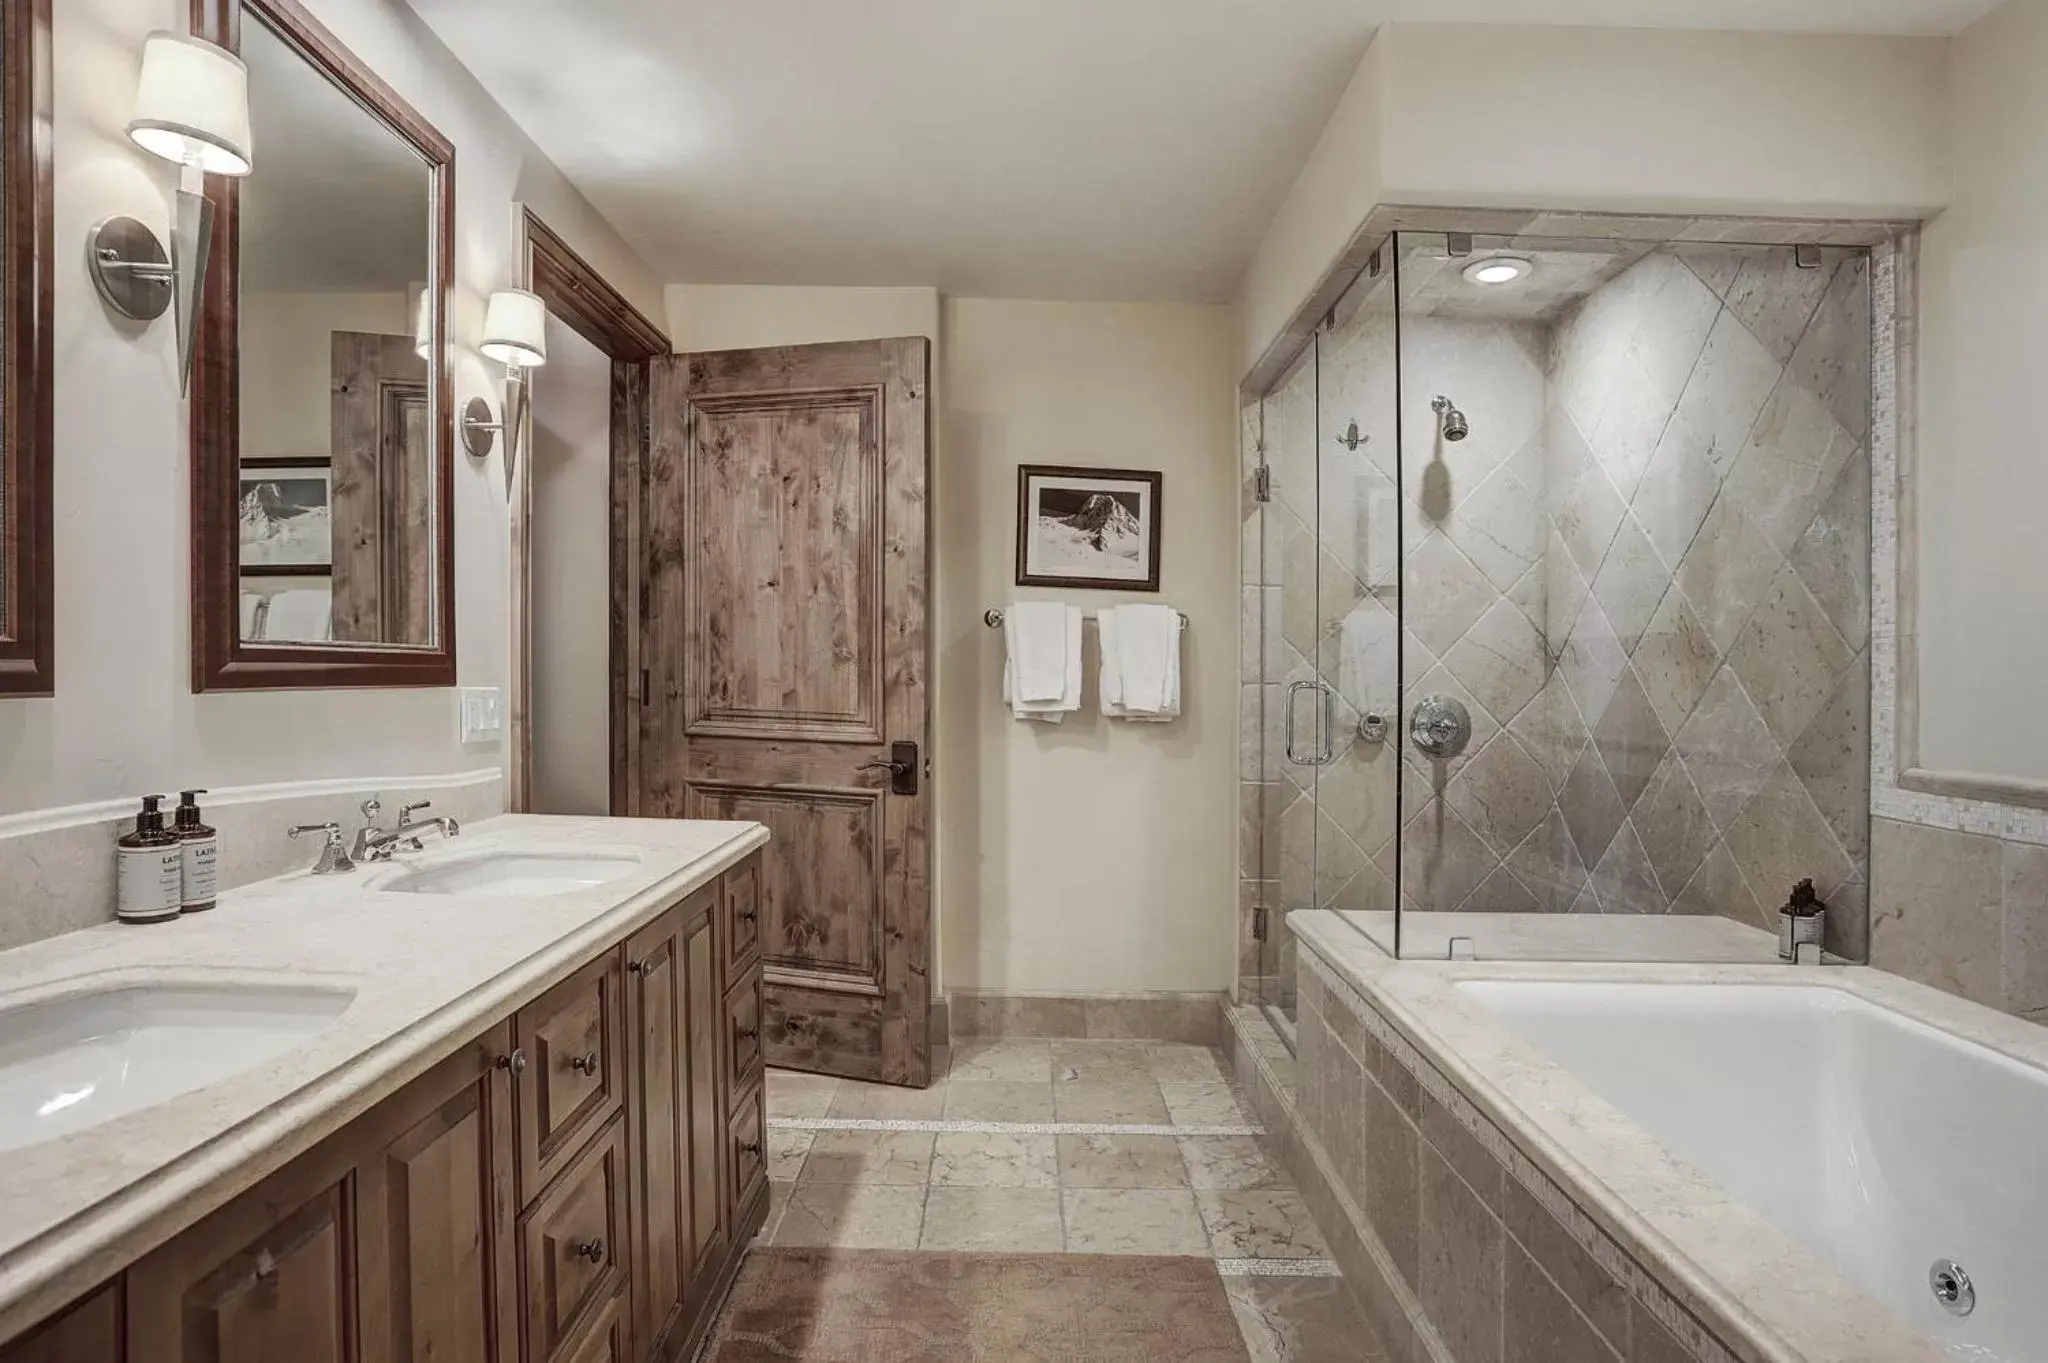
[(1015, 1128), (1278, 1268)]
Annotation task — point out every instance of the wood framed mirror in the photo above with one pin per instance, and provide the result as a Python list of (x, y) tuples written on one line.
[(27, 570), (323, 428)]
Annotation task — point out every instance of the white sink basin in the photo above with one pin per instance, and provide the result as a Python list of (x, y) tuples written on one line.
[(525, 875), (71, 1063)]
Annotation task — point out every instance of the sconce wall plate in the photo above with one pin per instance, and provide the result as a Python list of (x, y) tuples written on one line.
[(479, 432), (130, 268)]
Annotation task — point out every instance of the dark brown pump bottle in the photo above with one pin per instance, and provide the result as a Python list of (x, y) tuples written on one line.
[(149, 868), (199, 851)]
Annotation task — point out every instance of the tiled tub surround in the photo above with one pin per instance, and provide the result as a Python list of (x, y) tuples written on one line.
[(57, 865), (1509, 1213), (426, 976)]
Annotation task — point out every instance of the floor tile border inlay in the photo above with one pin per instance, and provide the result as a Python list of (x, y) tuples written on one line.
[(1013, 1128), (1278, 1268)]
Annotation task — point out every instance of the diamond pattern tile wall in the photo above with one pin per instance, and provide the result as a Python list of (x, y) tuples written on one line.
[(1699, 716)]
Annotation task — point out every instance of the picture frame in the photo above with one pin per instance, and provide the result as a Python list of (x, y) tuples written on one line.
[(286, 517), (1088, 527)]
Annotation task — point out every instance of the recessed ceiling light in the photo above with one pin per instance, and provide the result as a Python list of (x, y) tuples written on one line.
[(1498, 270)]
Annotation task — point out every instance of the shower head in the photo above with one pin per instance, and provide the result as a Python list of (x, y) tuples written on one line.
[(1452, 420)]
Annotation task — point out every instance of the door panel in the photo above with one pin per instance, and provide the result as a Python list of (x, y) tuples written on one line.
[(786, 645)]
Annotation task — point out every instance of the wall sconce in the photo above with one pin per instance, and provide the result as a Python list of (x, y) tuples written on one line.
[(192, 109), (516, 335)]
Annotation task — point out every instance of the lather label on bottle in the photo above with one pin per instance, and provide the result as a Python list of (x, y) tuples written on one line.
[(200, 874), (148, 881)]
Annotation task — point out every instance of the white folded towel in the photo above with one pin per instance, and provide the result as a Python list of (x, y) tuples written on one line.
[(1140, 662), (1042, 664), (301, 615)]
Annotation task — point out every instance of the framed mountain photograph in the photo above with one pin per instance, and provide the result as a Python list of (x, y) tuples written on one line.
[(1083, 527), (287, 521)]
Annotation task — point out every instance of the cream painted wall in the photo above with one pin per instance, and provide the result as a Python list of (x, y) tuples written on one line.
[(571, 537), (1982, 458), (1337, 186), (1094, 856), (288, 364), (745, 316), (124, 719), (1615, 120)]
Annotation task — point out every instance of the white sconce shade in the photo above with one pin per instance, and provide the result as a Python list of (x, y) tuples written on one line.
[(192, 105), (422, 321), (515, 328)]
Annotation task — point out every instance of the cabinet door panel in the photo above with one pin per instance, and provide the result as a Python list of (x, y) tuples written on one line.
[(743, 1036), (88, 1332), (435, 1208), (656, 1137), (703, 1090), (284, 1289)]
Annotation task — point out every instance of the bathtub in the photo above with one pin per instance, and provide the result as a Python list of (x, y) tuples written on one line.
[(1880, 1144)]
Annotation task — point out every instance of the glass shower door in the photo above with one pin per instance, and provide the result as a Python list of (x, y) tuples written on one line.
[(1357, 606)]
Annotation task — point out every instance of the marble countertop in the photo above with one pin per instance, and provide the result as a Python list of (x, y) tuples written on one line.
[(429, 972), (1735, 1269)]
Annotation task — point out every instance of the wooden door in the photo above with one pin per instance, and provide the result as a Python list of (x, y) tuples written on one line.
[(786, 649), (382, 497)]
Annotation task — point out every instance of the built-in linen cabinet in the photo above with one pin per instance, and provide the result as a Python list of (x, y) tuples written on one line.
[(576, 1185)]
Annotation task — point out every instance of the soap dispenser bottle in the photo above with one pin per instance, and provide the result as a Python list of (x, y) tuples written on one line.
[(199, 851), (149, 868)]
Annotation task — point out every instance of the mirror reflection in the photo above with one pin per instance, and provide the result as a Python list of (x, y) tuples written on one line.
[(337, 479)]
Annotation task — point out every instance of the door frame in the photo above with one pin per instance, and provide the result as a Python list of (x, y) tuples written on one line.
[(578, 295)]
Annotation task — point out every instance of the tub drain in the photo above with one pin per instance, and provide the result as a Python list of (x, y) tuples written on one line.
[(1950, 1283)]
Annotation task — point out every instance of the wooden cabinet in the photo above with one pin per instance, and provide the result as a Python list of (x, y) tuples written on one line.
[(677, 1037), (573, 1080), (576, 1185), (389, 1243)]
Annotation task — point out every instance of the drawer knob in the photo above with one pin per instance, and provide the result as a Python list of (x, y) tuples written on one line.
[(750, 916), (515, 1062), (751, 1148), (592, 1250), (748, 1034), (584, 1064), (266, 1266)]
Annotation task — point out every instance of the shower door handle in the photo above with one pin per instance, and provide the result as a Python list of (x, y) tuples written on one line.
[(1326, 718)]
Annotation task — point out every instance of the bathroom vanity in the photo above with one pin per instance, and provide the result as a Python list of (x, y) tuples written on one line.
[(532, 1128)]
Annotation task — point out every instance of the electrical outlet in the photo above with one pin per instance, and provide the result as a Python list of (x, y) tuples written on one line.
[(479, 714)]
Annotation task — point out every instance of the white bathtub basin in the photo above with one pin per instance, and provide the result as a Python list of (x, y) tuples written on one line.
[(74, 1062), (1878, 1142), (527, 875)]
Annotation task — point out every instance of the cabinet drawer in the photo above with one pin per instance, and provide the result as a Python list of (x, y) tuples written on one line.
[(573, 1077), (571, 1248), (747, 1149), (605, 1340), (87, 1332), (742, 892), (743, 1037)]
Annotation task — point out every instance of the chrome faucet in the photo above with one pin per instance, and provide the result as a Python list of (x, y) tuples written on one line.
[(378, 844)]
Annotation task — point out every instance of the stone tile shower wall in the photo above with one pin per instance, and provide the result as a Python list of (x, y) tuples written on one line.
[(1693, 736)]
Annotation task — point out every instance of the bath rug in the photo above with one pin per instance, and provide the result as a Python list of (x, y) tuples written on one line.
[(886, 1306)]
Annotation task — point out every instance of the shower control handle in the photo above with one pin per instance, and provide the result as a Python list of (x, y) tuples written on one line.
[(1440, 727)]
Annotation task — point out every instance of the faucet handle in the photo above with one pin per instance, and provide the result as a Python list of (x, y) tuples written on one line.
[(406, 812), (334, 857)]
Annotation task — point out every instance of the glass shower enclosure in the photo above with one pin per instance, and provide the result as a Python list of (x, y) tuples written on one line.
[(1557, 563)]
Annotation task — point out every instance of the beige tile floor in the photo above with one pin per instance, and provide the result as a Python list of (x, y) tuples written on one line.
[(1080, 1147)]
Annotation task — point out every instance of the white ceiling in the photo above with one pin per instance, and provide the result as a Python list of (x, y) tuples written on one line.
[(1129, 149)]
